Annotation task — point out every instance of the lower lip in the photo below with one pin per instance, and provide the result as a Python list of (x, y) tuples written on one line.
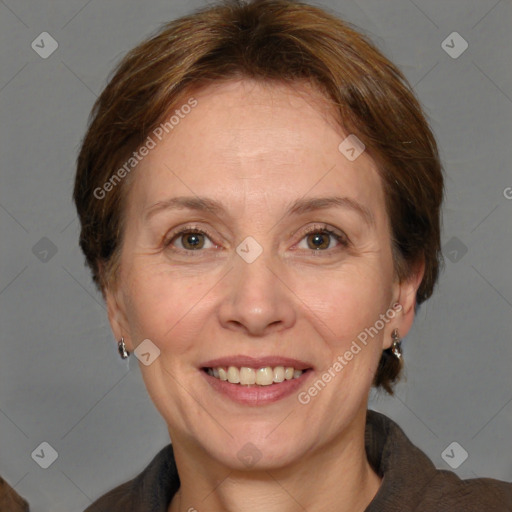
[(257, 395)]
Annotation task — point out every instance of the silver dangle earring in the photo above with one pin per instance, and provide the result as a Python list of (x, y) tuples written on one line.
[(396, 347), (121, 347)]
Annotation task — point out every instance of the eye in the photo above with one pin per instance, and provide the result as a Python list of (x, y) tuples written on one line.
[(317, 238), (320, 238), (190, 239)]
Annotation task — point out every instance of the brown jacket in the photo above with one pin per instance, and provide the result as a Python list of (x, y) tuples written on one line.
[(410, 482)]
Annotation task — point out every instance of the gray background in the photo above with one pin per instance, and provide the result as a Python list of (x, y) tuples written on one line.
[(62, 381)]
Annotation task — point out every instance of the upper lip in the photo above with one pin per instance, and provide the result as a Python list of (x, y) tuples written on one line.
[(256, 362)]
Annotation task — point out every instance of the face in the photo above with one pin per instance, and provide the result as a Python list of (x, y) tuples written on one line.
[(252, 242)]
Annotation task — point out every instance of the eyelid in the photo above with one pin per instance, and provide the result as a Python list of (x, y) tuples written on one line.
[(341, 237), (187, 229), (322, 227)]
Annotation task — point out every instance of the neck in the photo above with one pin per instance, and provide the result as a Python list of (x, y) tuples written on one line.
[(336, 476)]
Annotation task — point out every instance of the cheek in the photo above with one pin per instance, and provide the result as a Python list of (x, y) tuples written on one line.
[(346, 301), (174, 307), (161, 305)]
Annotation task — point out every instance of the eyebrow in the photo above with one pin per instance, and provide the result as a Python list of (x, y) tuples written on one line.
[(297, 207)]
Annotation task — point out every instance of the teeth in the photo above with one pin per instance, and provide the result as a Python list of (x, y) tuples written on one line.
[(249, 376), (233, 375), (265, 376), (278, 374)]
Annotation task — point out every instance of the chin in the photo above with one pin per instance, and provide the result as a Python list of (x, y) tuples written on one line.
[(246, 455)]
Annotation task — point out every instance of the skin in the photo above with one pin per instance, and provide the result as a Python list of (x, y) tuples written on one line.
[(256, 148)]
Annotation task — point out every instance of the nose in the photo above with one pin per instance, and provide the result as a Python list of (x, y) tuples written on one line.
[(256, 300)]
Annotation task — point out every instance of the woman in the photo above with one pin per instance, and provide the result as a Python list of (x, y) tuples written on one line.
[(259, 195)]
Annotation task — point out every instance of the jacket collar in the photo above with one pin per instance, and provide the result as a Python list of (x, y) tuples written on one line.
[(405, 470), (402, 467)]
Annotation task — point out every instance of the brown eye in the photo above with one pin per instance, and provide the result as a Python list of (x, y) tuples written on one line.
[(322, 239), (319, 241), (190, 240)]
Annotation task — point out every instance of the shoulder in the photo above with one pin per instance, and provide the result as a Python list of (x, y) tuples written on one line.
[(151, 490), (410, 481), (118, 498), (473, 495)]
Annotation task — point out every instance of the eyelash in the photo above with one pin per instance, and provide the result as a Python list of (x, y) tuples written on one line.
[(342, 239)]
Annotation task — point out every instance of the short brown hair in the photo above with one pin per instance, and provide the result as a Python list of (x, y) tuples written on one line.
[(269, 40)]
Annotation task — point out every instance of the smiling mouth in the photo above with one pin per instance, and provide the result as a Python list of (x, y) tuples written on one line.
[(246, 376)]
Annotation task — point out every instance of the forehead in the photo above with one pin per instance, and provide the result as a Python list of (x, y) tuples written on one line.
[(264, 141)]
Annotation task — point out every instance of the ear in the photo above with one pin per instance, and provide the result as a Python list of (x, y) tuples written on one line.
[(405, 295), (117, 315)]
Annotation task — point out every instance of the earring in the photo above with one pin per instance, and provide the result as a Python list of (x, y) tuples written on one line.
[(121, 347), (396, 347)]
